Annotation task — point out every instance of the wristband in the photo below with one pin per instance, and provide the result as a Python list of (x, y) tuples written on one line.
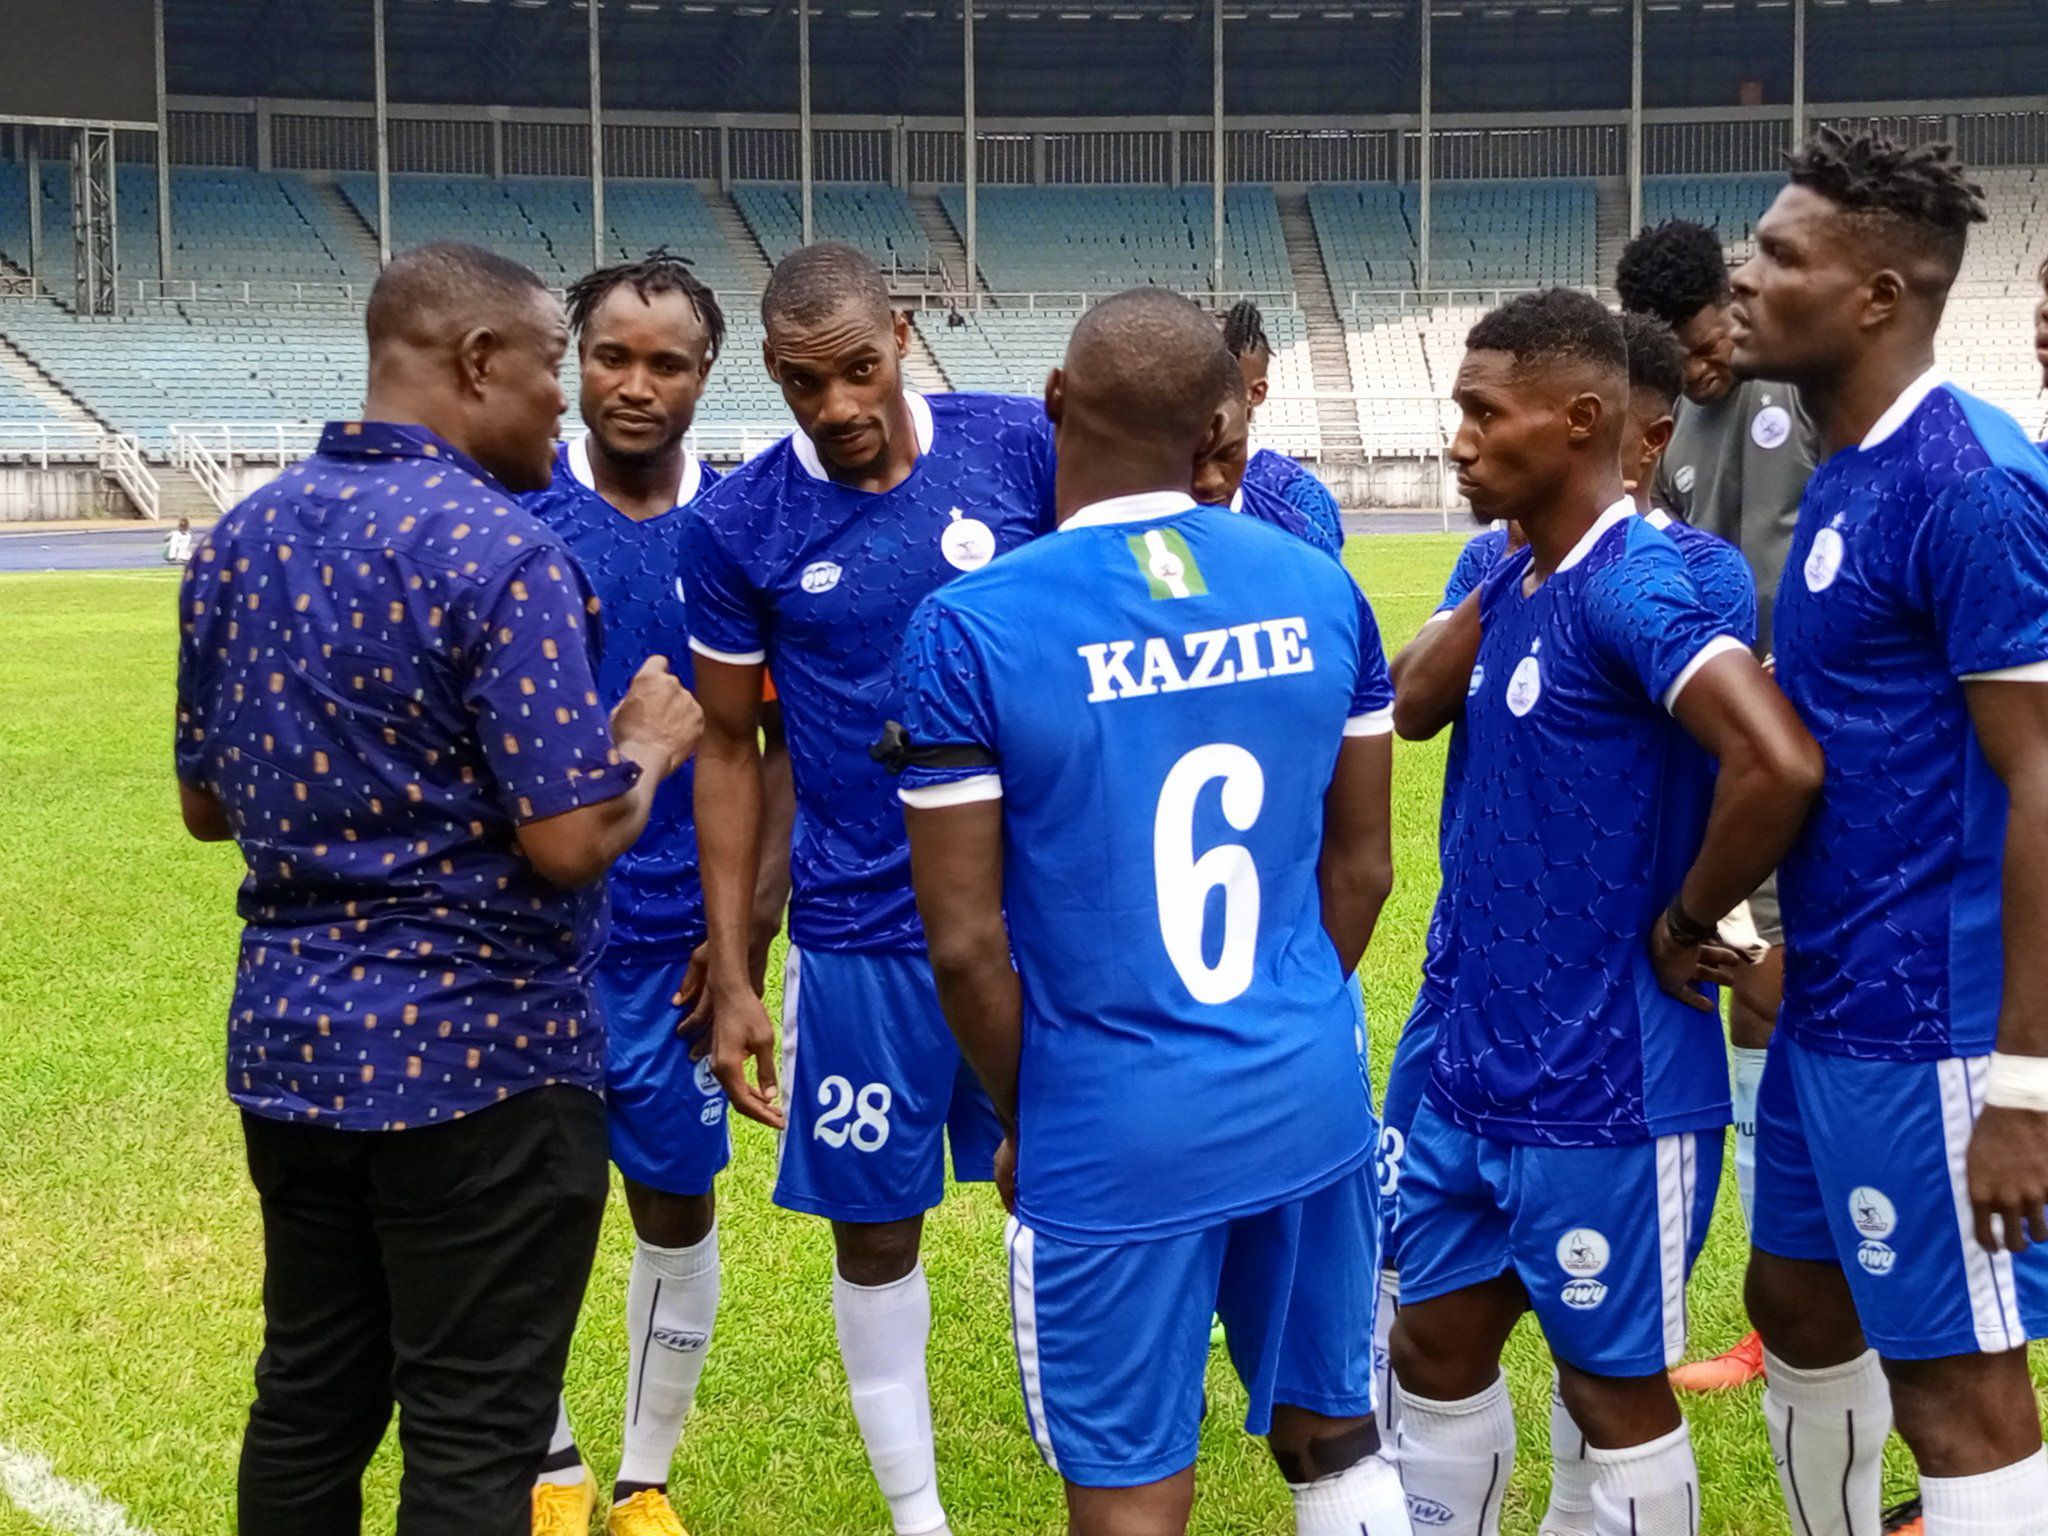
[(2017, 1082), (1684, 928)]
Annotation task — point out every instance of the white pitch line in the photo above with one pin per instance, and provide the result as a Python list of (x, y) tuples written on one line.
[(73, 1509)]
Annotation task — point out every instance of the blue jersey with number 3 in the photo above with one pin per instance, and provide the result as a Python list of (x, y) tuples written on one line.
[(1165, 689)]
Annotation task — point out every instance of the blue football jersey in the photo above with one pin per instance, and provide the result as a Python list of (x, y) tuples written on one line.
[(636, 570), (1723, 578), (1480, 555), (785, 565), (1584, 805), (1920, 560), (1281, 491), (1166, 688)]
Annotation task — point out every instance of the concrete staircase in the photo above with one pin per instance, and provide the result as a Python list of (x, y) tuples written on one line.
[(921, 365), (60, 402), (1331, 359), (1610, 230), (360, 233), (181, 495), (740, 240), (948, 254)]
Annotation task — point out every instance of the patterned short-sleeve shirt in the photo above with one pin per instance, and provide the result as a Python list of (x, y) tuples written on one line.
[(386, 666)]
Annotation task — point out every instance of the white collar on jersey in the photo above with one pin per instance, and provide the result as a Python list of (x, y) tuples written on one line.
[(1145, 507), (1902, 408), (1622, 509), (920, 421), (1237, 498), (686, 492), (1657, 518)]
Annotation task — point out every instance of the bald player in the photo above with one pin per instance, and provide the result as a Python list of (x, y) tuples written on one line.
[(1149, 756)]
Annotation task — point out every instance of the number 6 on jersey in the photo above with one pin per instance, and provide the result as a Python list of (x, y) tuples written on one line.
[(1183, 882)]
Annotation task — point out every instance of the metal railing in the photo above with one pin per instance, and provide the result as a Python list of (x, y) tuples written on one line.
[(40, 446), (265, 291), (189, 453), (20, 285), (122, 460), (1081, 298), (227, 444)]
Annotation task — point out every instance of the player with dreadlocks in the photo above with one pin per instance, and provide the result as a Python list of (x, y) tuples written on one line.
[(1912, 638), (647, 334), (1268, 474)]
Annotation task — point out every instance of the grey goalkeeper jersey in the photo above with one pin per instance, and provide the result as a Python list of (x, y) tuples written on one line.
[(1737, 468)]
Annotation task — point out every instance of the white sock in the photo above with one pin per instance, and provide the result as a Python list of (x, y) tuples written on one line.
[(671, 1305), (1647, 1490), (884, 1331), (1363, 1500), (1570, 1511), (1385, 1399), (573, 1472), (1747, 1074), (2013, 1501), (1827, 1430), (1455, 1459)]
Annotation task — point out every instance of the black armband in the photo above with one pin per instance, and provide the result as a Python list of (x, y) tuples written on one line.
[(896, 752)]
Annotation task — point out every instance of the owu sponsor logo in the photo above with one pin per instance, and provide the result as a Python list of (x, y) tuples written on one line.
[(1583, 1254), (1875, 1218)]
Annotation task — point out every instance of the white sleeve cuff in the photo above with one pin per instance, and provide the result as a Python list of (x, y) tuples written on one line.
[(1720, 645), (2025, 672), (730, 658), (936, 797), (1379, 722)]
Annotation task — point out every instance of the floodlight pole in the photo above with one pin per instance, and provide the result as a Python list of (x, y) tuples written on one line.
[(36, 269), (597, 252), (803, 108), (1635, 121), (1216, 167), (1798, 72), (163, 157), (1428, 156), (383, 138), (970, 151)]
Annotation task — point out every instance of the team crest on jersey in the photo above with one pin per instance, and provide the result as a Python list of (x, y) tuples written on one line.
[(1583, 1254), (1875, 1218), (968, 543), (1824, 560), (1525, 686), (1169, 565), (1478, 680), (820, 576), (1684, 479), (1771, 426)]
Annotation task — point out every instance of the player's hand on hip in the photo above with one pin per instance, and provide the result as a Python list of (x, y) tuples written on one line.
[(1681, 967), (1006, 1173), (741, 1032), (2008, 1176), (660, 712)]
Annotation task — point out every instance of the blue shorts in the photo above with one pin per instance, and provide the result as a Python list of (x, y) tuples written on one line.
[(875, 1086), (1407, 1078), (1602, 1238), (667, 1112), (1861, 1164), (1113, 1341)]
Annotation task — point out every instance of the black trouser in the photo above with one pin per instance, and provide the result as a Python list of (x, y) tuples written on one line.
[(440, 1268)]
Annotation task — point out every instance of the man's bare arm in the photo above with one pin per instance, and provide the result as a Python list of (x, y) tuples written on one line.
[(1433, 672), (956, 865), (778, 824), (2008, 1165), (1356, 870)]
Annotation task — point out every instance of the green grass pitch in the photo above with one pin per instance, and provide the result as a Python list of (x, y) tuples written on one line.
[(129, 1264)]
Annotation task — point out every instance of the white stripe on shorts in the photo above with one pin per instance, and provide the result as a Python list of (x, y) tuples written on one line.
[(1024, 1325), (1675, 1174), (791, 971), (1994, 1304)]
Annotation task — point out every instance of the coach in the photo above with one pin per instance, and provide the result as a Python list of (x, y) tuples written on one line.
[(386, 698)]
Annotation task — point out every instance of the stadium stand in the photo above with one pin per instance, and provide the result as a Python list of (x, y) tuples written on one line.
[(190, 357), (869, 216)]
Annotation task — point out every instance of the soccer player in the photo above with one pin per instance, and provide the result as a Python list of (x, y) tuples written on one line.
[(1244, 332), (647, 333), (1574, 1097), (1739, 458), (1913, 640), (811, 558), (1221, 480), (1153, 754), (387, 696), (1656, 367)]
